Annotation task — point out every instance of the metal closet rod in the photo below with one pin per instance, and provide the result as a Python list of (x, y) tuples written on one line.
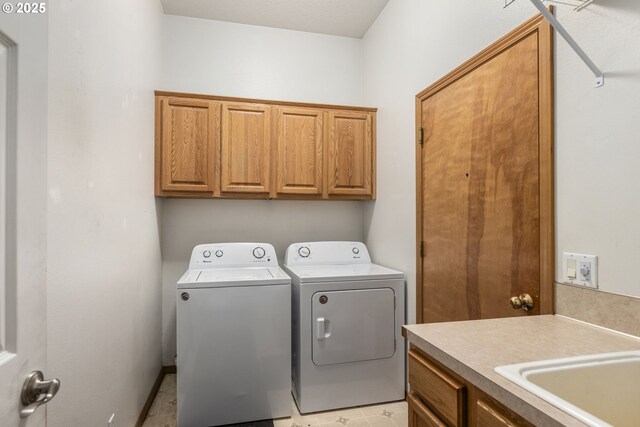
[(560, 29)]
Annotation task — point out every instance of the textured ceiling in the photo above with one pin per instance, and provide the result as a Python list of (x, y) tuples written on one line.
[(350, 18)]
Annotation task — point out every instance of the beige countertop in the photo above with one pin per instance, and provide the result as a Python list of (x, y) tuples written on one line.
[(473, 348)]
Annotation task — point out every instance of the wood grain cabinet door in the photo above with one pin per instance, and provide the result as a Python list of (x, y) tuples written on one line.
[(489, 414), (420, 415), (245, 149), (190, 129), (299, 151), (350, 153)]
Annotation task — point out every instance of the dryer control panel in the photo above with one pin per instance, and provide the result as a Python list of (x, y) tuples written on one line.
[(326, 253), (233, 255)]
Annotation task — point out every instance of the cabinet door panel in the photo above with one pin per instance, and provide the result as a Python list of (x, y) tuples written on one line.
[(491, 415), (245, 159), (419, 415), (189, 140), (299, 151), (350, 168), (444, 394)]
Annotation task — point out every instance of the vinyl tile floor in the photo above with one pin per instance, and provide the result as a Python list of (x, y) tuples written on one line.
[(393, 414)]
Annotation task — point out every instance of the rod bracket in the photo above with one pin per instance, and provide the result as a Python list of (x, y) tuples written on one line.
[(599, 81)]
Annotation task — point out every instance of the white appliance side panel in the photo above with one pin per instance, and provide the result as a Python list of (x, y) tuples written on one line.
[(353, 325), (234, 355)]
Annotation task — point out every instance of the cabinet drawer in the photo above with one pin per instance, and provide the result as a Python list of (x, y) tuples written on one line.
[(420, 415), (489, 414), (442, 393)]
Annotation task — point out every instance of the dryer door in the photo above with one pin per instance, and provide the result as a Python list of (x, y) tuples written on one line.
[(353, 326)]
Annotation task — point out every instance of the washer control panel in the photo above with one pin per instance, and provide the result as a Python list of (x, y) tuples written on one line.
[(326, 253), (231, 255)]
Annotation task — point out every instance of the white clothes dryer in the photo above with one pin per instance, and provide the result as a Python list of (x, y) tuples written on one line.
[(347, 347), (234, 336)]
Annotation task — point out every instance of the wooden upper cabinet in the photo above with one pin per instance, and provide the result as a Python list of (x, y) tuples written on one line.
[(245, 150), (188, 142), (300, 141), (214, 146), (350, 167)]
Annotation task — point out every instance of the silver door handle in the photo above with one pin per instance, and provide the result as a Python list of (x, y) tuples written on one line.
[(323, 328), (37, 391)]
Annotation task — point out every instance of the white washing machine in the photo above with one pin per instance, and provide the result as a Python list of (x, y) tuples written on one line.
[(234, 336), (347, 347)]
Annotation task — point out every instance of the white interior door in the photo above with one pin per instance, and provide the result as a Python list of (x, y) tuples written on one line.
[(23, 143)]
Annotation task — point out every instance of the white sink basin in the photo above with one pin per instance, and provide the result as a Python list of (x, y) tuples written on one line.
[(600, 390)]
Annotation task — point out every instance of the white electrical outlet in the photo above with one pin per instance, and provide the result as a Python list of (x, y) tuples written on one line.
[(579, 269), (110, 420)]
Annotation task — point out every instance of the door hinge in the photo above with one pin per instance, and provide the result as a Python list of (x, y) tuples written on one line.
[(422, 249), (420, 136)]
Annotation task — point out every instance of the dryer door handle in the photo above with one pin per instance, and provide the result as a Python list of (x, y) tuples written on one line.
[(323, 328)]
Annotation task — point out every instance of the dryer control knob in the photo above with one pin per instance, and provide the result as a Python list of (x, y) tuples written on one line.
[(206, 254), (304, 251), (259, 252)]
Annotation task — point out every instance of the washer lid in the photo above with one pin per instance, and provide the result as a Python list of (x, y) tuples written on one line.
[(341, 273), (227, 277)]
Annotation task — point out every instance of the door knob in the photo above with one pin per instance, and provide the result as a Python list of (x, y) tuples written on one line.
[(37, 391), (523, 301)]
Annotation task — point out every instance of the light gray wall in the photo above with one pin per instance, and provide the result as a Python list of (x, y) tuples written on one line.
[(415, 42), (103, 255), (221, 58)]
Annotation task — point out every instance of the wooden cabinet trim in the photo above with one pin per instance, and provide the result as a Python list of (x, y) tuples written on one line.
[(444, 394), (422, 412), (262, 101)]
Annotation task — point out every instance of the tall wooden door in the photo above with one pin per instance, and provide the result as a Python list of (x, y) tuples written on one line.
[(485, 182), (350, 168), (190, 137), (300, 141), (23, 220), (246, 142)]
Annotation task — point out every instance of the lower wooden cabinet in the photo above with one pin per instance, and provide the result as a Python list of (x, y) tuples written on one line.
[(490, 413), (443, 393), (420, 415), (440, 398)]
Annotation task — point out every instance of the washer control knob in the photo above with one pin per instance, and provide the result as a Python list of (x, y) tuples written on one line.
[(219, 253), (304, 251), (206, 254), (355, 250), (259, 252)]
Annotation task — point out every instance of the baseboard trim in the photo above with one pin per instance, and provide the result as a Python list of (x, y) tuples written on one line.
[(153, 393)]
